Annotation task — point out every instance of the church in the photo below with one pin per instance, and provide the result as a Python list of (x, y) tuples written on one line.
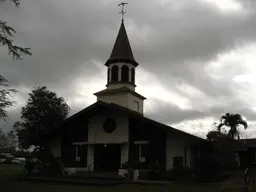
[(113, 131)]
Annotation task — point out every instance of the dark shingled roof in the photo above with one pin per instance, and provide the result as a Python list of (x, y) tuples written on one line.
[(99, 105), (119, 90), (122, 51)]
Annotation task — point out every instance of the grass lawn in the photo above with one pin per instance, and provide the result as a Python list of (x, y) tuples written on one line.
[(9, 181)]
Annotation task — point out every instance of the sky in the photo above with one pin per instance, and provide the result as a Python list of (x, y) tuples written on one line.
[(197, 59)]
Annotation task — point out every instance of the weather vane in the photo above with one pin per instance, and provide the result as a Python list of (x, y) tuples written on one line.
[(122, 11)]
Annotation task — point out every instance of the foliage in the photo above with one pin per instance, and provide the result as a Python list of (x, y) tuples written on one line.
[(5, 94), (207, 168), (42, 113), (8, 140), (223, 148), (232, 121), (215, 135), (12, 141), (179, 174), (3, 140), (6, 38)]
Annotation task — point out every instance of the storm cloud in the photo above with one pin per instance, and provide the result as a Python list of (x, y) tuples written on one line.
[(198, 55)]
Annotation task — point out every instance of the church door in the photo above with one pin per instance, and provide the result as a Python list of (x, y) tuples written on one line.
[(107, 157)]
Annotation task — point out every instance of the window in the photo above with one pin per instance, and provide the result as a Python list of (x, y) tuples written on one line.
[(125, 74), (136, 105), (114, 74), (77, 152), (108, 75), (109, 125), (178, 161), (133, 75)]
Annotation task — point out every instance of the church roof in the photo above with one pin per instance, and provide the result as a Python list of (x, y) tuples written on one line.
[(119, 90), (100, 106), (122, 51)]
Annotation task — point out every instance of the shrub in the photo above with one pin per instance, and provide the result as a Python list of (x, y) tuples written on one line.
[(179, 174), (143, 174), (207, 169)]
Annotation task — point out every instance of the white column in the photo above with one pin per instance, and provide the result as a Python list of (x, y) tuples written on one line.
[(130, 74), (90, 156), (119, 73), (124, 153)]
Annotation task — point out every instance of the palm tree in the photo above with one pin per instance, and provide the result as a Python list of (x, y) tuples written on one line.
[(232, 121)]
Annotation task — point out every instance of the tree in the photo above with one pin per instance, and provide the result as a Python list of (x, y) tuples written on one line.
[(3, 140), (233, 121), (42, 112), (12, 140), (8, 140), (5, 94), (7, 35), (6, 39), (215, 135)]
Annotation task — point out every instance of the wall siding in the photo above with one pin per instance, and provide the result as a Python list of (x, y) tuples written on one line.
[(178, 145), (96, 133), (74, 131), (156, 151)]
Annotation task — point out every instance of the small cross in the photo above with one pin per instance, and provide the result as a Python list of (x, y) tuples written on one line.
[(122, 11)]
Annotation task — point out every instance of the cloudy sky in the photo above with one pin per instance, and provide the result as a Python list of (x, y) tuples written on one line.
[(197, 57)]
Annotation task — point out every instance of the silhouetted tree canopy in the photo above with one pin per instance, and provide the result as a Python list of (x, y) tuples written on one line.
[(42, 112), (6, 40), (233, 121), (215, 135), (5, 93), (7, 35), (8, 141)]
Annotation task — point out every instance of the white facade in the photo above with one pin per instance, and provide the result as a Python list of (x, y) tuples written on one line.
[(177, 146), (120, 84), (97, 135), (127, 100)]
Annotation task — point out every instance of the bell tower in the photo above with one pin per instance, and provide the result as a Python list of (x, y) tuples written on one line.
[(121, 67), (121, 64)]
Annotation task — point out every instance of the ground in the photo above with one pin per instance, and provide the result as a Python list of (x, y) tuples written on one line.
[(9, 182)]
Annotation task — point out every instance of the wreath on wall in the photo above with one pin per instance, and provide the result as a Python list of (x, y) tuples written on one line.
[(109, 125)]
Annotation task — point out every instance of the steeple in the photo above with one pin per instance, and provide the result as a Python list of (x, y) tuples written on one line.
[(121, 74), (122, 51)]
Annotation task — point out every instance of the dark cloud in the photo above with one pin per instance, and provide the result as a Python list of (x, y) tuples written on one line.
[(175, 41)]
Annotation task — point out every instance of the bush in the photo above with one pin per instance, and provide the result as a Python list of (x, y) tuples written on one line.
[(143, 174), (29, 166), (179, 174), (157, 173), (207, 169), (44, 163)]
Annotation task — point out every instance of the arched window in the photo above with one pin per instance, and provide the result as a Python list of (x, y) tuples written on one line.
[(114, 74), (125, 74), (108, 75), (133, 75)]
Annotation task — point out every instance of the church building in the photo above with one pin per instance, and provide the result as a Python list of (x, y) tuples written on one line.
[(114, 131)]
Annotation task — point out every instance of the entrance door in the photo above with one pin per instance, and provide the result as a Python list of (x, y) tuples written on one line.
[(107, 157)]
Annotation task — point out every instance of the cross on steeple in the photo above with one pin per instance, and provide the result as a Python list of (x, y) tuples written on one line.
[(122, 11)]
